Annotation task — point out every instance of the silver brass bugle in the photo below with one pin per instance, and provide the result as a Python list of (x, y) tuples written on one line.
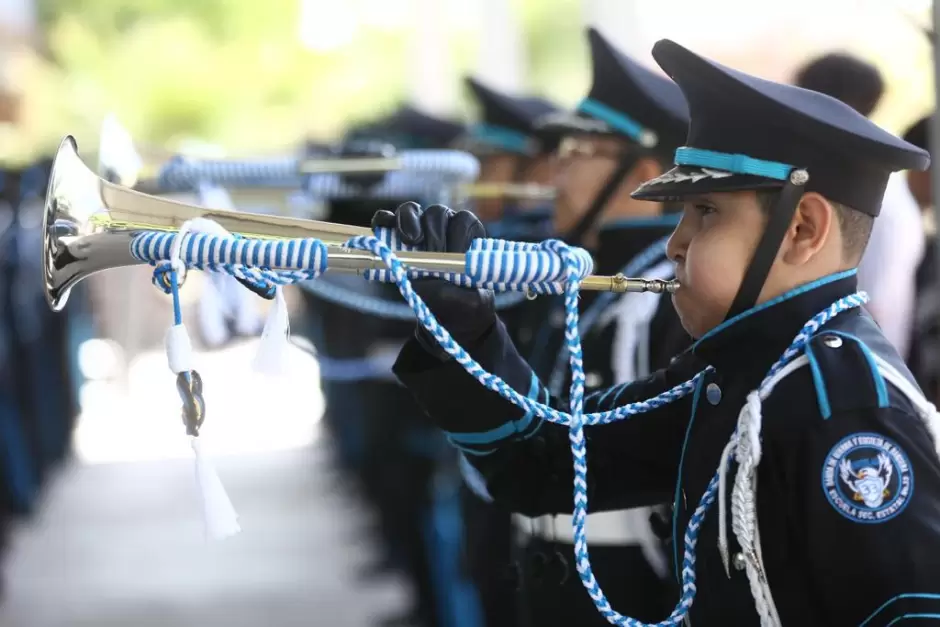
[(90, 223)]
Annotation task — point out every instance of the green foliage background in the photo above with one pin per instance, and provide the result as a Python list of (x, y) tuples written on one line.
[(235, 73)]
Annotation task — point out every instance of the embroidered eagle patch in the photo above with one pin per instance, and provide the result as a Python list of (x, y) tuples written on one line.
[(867, 478)]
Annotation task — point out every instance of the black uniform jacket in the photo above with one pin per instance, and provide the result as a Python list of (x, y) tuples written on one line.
[(638, 246), (849, 480)]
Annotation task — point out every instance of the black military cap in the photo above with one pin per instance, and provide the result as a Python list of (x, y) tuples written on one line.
[(749, 133), (410, 129), (626, 100), (507, 123)]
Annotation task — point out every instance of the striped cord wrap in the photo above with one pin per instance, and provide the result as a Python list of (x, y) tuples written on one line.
[(243, 258), (430, 175), (498, 265), (425, 174), (490, 264), (505, 265), (184, 174)]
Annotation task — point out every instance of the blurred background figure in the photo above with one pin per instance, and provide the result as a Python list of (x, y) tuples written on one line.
[(855, 82), (896, 248), (355, 513)]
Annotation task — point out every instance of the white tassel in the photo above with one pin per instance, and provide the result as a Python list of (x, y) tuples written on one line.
[(272, 351), (179, 349), (242, 307), (212, 312), (220, 518), (218, 512)]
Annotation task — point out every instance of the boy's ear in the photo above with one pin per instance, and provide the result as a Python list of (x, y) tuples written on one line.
[(810, 229)]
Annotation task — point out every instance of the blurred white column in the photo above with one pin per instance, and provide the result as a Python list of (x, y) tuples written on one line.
[(432, 80), (18, 18), (18, 33), (501, 63)]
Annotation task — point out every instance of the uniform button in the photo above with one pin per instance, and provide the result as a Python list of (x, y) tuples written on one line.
[(660, 525), (713, 393), (738, 561), (537, 568), (525, 335), (832, 341), (593, 380), (557, 319), (558, 567)]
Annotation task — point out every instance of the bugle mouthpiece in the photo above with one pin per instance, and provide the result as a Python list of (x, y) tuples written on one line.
[(620, 283)]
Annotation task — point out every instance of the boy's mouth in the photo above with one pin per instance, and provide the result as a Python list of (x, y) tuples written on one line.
[(680, 276)]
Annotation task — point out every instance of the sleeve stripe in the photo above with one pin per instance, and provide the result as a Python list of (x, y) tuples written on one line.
[(523, 426), (906, 616), (601, 395), (901, 607)]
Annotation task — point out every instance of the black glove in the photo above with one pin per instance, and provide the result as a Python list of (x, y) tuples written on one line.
[(466, 313)]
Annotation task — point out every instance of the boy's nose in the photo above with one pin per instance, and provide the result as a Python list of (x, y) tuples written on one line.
[(678, 241)]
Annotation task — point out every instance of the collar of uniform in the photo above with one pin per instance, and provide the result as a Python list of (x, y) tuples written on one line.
[(755, 339), (619, 242)]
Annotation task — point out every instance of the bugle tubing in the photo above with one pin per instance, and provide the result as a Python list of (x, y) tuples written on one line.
[(90, 223)]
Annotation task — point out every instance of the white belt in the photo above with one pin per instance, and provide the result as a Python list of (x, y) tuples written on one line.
[(617, 528)]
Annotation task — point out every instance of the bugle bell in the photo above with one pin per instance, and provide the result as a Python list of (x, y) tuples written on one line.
[(89, 224)]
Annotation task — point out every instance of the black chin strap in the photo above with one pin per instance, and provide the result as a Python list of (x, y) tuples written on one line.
[(627, 161), (777, 224)]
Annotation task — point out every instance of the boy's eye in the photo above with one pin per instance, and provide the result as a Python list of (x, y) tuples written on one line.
[(704, 210)]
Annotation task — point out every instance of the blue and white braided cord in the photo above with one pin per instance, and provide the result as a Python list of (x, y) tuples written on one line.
[(576, 420), (635, 267), (237, 256), (374, 306), (490, 264)]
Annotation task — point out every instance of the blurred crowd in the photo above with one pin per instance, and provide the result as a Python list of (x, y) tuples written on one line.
[(544, 172)]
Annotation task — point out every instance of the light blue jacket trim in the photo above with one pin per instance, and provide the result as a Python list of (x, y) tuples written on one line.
[(887, 603), (832, 278), (907, 616), (675, 504), (881, 388), (822, 397), (503, 431)]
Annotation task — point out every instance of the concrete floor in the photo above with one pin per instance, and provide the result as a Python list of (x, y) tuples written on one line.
[(119, 542)]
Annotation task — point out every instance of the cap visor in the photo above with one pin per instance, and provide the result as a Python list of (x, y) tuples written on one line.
[(691, 180)]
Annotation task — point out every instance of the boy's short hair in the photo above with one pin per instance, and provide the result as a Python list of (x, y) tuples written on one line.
[(845, 78), (918, 134), (855, 226)]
